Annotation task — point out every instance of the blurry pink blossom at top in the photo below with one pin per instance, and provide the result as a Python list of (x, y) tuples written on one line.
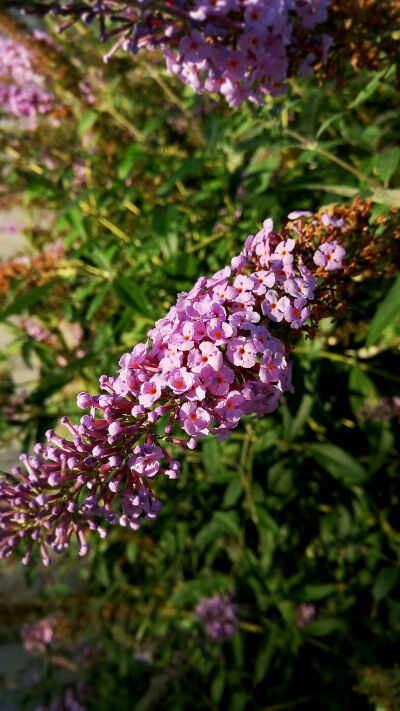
[(242, 49)]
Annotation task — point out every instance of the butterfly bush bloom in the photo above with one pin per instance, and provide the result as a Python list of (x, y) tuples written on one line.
[(220, 353), (22, 89), (219, 616), (243, 49)]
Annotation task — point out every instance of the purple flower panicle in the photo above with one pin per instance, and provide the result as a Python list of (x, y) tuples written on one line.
[(22, 90), (220, 353), (242, 49), (219, 616)]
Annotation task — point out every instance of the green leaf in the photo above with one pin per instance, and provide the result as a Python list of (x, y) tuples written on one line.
[(325, 626), (96, 302), (131, 156), (25, 301), (189, 167), (339, 463), (384, 583), (387, 312), (132, 296), (264, 656), (239, 701), (388, 162), (74, 218), (379, 449), (359, 382), (86, 121), (26, 353), (218, 685), (229, 522), (232, 493), (210, 456), (302, 415), (49, 385), (368, 90), (189, 593), (383, 196), (317, 592), (266, 441), (328, 122)]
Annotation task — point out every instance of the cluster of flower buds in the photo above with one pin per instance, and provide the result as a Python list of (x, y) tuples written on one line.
[(22, 90), (381, 410), (220, 353), (242, 49), (219, 616)]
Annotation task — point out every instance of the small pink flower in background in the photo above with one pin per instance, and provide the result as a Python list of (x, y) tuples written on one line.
[(13, 228), (304, 613), (37, 636), (381, 410), (35, 330), (219, 616)]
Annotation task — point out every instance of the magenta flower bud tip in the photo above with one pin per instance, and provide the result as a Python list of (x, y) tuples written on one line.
[(84, 400)]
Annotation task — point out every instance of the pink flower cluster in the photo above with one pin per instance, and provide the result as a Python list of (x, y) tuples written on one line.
[(22, 91), (219, 615), (243, 49), (219, 354), (381, 410), (38, 635), (34, 329)]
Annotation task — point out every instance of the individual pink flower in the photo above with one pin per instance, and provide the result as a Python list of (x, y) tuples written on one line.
[(149, 393), (219, 331), (329, 255), (218, 382), (266, 280), (186, 338), (275, 307), (180, 380), (195, 420), (231, 409), (206, 354), (300, 313), (242, 352)]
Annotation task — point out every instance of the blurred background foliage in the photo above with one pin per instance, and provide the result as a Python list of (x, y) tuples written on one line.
[(149, 186)]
